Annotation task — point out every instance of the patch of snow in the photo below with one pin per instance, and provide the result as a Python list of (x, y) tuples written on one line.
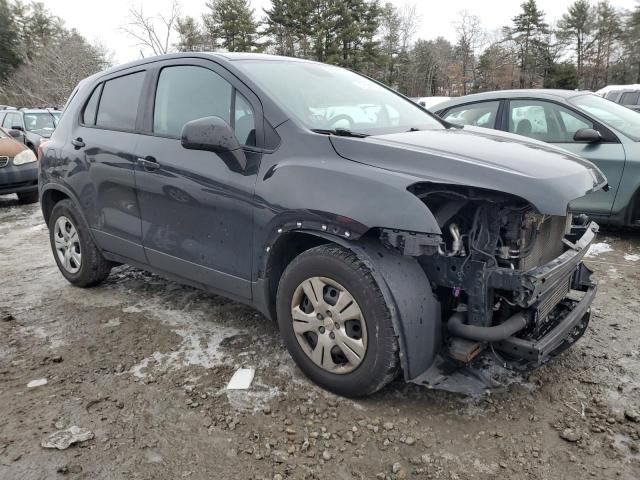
[(37, 383), (241, 379), (598, 248), (631, 257)]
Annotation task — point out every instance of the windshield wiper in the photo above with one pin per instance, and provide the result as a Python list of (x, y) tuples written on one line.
[(340, 132)]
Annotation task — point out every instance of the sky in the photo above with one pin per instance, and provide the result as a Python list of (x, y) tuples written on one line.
[(101, 21)]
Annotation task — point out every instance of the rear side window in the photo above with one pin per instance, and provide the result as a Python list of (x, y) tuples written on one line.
[(91, 108), (630, 98), (481, 114), (119, 102), (613, 95)]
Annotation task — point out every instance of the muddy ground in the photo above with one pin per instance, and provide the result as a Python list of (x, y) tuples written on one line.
[(142, 363)]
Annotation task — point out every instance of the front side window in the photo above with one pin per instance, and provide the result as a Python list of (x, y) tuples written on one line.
[(187, 93), (325, 97), (119, 102), (545, 121), (615, 116), (481, 114)]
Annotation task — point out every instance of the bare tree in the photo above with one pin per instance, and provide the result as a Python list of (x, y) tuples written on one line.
[(471, 38), (154, 31), (409, 21), (59, 67)]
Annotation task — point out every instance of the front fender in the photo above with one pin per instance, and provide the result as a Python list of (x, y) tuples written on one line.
[(414, 308)]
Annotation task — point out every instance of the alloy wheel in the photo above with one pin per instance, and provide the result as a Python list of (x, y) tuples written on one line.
[(67, 244)]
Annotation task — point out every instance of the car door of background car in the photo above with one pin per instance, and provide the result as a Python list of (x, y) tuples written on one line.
[(553, 123), (197, 206), (103, 141)]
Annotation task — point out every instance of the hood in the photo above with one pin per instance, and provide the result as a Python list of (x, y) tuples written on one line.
[(548, 177), (10, 148)]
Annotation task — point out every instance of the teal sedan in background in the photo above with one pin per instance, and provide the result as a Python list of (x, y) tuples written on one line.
[(586, 124)]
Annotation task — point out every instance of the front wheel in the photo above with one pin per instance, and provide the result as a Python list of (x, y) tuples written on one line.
[(78, 258), (335, 322)]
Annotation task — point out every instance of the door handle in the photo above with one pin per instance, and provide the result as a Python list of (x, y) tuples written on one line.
[(149, 163), (78, 142)]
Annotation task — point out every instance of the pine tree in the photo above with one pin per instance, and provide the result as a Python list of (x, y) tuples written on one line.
[(576, 29), (9, 40), (231, 25), (190, 37), (529, 32)]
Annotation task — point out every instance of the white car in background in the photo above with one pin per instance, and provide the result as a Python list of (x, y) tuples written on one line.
[(428, 102)]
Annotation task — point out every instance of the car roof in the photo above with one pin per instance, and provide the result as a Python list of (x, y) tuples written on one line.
[(544, 93), (220, 56)]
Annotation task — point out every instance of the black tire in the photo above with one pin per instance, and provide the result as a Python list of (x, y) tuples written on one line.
[(27, 197), (380, 364), (94, 268)]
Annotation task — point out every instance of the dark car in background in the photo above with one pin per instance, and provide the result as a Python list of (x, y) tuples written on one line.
[(34, 123), (18, 169), (382, 239), (583, 123)]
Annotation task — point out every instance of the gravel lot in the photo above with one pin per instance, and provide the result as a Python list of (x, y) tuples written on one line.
[(142, 363)]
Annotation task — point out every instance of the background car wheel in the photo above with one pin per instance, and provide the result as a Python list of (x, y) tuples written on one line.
[(335, 322), (28, 197), (77, 256)]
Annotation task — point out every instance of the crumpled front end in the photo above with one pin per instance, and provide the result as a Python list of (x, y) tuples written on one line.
[(513, 289)]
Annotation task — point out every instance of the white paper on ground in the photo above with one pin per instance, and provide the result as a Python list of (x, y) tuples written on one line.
[(241, 379), (37, 383)]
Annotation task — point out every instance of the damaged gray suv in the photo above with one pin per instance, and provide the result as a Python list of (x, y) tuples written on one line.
[(384, 240)]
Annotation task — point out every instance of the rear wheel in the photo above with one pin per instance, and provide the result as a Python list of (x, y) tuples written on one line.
[(27, 197), (78, 258), (335, 322)]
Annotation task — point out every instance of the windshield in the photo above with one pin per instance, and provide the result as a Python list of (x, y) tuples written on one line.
[(39, 121), (327, 97), (616, 116)]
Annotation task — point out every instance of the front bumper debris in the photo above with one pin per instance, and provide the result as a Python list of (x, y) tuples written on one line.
[(557, 296)]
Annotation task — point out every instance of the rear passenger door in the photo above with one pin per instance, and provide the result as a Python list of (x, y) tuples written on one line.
[(104, 142), (553, 123), (196, 209)]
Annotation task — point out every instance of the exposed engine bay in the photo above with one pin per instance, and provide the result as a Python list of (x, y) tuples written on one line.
[(510, 280)]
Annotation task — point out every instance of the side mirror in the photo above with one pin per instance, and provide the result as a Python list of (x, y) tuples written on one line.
[(213, 134), (587, 135), (15, 133), (17, 127)]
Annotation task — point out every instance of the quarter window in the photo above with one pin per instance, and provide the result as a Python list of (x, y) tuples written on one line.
[(91, 108), (545, 121), (477, 114), (119, 102), (187, 93)]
